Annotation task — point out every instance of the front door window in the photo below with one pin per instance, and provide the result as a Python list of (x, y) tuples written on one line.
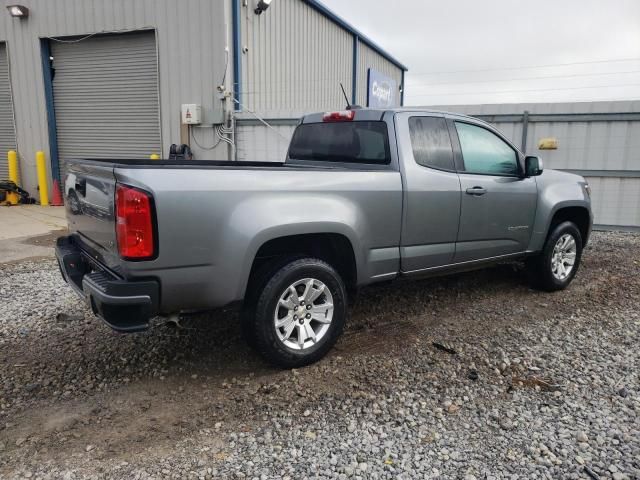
[(484, 152)]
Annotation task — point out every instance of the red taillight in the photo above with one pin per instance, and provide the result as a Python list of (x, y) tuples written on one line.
[(343, 116), (134, 223)]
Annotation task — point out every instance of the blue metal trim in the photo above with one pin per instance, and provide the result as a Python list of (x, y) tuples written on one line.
[(354, 75), (402, 91), (315, 4), (45, 49), (368, 85), (237, 54)]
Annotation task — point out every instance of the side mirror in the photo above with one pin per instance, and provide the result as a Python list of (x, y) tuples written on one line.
[(533, 166)]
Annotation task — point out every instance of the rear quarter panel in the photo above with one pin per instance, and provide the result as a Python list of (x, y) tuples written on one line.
[(211, 223)]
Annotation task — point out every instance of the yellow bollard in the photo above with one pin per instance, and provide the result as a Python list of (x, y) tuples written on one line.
[(12, 156), (154, 156), (42, 178)]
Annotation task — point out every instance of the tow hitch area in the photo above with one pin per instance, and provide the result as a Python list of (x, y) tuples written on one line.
[(126, 306)]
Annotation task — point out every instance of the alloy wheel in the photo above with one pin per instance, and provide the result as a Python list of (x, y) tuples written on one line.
[(303, 314)]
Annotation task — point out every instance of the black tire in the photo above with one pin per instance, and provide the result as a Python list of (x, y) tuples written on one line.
[(258, 319), (257, 283), (74, 203), (539, 268)]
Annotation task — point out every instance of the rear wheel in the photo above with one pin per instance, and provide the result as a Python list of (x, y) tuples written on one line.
[(557, 265), (299, 313)]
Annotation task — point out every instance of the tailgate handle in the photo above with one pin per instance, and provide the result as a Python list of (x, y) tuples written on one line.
[(81, 186), (477, 191)]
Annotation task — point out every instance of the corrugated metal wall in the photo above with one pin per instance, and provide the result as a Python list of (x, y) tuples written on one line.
[(295, 59), (7, 130), (605, 151), (257, 142), (616, 201), (191, 46), (106, 97), (368, 58)]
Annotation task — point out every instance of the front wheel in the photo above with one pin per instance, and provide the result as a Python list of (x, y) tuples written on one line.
[(557, 265), (299, 314), (74, 203)]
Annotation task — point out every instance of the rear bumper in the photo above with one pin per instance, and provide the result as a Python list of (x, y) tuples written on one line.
[(126, 306)]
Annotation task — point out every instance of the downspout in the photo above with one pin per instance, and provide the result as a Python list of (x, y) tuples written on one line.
[(45, 49), (354, 74), (525, 128), (237, 58), (402, 90)]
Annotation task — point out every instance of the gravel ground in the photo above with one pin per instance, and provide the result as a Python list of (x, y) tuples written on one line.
[(521, 384)]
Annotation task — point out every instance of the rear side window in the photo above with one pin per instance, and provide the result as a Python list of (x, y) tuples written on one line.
[(431, 142), (351, 142)]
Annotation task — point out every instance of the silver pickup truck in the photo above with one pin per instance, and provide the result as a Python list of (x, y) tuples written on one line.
[(364, 196)]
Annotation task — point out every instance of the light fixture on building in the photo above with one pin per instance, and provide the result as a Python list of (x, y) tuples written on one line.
[(18, 11), (262, 6)]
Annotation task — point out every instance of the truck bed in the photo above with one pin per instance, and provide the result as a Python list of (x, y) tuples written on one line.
[(227, 165), (145, 162), (212, 217)]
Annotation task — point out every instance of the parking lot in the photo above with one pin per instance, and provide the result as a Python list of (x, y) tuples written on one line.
[(471, 376)]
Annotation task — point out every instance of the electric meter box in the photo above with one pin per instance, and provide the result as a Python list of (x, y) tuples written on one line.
[(191, 114)]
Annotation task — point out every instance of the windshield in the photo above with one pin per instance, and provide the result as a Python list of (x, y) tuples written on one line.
[(353, 142)]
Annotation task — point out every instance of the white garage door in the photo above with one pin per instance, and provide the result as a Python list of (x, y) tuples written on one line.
[(105, 92), (7, 127)]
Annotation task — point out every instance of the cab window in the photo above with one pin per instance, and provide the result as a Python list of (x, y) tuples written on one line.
[(431, 142), (363, 142), (484, 152)]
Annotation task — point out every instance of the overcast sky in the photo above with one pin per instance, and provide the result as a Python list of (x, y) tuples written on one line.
[(506, 51)]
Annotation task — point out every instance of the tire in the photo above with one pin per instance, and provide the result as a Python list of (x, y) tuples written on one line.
[(74, 203), (257, 283), (544, 269), (309, 327)]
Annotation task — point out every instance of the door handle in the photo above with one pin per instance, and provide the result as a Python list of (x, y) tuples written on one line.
[(477, 191)]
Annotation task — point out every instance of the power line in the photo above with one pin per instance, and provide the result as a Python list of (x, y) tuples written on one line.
[(297, 86), (571, 100), (77, 40), (330, 90), (411, 85), (193, 136), (526, 90), (526, 67), (72, 39), (262, 120)]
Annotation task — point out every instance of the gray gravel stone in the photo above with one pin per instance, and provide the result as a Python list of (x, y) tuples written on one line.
[(547, 401)]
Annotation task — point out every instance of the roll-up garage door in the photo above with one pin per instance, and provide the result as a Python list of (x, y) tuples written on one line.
[(105, 92), (7, 127)]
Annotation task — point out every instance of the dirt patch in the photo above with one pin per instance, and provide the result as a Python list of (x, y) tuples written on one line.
[(48, 240)]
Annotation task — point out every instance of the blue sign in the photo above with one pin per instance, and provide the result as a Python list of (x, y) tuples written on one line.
[(382, 91)]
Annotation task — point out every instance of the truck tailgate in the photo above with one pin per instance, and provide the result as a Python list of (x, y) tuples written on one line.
[(89, 191)]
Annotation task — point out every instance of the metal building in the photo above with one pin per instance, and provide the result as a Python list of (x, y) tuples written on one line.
[(108, 78), (293, 62), (598, 140), (7, 129)]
